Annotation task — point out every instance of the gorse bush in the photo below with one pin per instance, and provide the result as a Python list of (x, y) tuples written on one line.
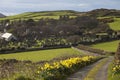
[(116, 67), (61, 69), (115, 72)]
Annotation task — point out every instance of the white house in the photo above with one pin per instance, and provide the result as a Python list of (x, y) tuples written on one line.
[(8, 36)]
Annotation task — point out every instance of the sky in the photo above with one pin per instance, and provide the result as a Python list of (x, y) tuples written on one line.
[(11, 7)]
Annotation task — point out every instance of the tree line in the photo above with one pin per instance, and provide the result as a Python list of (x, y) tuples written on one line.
[(49, 32)]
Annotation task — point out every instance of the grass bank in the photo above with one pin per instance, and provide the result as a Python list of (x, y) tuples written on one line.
[(108, 46), (41, 55)]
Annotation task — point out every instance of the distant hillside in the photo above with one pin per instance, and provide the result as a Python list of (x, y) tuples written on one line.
[(43, 14), (104, 12), (2, 16), (55, 14)]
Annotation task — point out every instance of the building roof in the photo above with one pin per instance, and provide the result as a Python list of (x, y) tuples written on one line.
[(6, 35), (101, 34)]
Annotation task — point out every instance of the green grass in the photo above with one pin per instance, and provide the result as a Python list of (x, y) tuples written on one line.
[(110, 72), (39, 15), (113, 25), (108, 46), (116, 24), (51, 17), (41, 55), (116, 77)]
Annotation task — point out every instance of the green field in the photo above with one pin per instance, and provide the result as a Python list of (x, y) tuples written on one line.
[(116, 24), (108, 46), (113, 25), (41, 55), (43, 14)]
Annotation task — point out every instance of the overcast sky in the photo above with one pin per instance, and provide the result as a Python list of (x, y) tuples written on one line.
[(10, 7)]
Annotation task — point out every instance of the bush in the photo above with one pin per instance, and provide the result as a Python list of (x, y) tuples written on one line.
[(22, 78), (60, 69)]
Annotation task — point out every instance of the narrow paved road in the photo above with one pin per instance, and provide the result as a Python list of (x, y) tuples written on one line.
[(103, 71), (101, 74), (82, 73)]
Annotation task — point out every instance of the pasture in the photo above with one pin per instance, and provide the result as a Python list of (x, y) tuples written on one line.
[(41, 55), (116, 24), (39, 15), (108, 46)]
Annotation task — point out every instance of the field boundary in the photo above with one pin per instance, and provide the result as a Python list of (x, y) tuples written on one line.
[(33, 49)]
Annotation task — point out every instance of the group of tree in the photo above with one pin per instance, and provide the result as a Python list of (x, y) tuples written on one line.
[(70, 29)]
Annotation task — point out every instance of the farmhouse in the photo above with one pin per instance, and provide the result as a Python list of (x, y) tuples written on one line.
[(7, 36)]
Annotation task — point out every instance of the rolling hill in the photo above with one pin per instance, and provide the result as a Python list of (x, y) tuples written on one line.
[(104, 12), (55, 14), (43, 14)]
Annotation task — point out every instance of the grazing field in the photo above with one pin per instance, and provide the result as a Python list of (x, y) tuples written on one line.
[(44, 14), (108, 46), (41, 55), (113, 25), (116, 24)]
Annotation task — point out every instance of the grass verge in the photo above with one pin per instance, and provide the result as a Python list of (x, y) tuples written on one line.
[(110, 71)]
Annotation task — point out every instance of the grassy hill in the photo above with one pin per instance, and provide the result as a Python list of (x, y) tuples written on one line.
[(108, 46), (104, 12), (56, 14), (43, 14)]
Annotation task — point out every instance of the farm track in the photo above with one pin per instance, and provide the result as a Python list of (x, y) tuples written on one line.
[(82, 73), (101, 74)]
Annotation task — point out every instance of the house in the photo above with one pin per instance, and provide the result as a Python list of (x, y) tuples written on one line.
[(8, 36)]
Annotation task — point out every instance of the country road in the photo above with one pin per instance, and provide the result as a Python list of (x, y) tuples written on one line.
[(82, 73), (103, 71), (101, 74)]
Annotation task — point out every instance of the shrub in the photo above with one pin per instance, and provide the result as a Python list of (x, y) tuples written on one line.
[(59, 70), (22, 78)]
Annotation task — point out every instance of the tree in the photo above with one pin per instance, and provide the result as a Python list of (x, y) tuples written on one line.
[(75, 39)]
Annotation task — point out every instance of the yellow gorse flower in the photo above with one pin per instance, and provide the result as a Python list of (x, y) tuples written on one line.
[(68, 63), (116, 68)]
